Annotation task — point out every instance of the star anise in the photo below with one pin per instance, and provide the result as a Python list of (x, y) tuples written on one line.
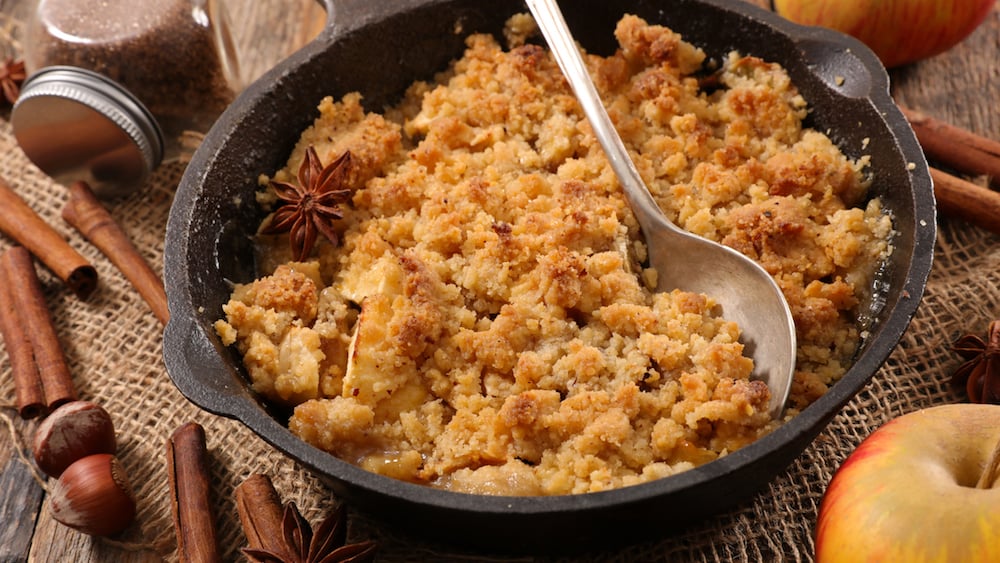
[(980, 374), (308, 207), (327, 545), (12, 75)]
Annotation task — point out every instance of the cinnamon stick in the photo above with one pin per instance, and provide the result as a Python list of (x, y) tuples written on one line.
[(965, 152), (190, 489), (28, 392), (86, 214), (20, 222), (35, 323), (955, 147), (967, 201), (261, 513)]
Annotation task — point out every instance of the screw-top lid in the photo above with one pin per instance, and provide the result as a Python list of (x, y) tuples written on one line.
[(76, 124)]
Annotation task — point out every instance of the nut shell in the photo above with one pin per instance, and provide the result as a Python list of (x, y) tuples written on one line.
[(94, 496), (73, 431)]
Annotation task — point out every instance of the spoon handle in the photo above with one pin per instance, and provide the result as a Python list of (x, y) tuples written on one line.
[(550, 19)]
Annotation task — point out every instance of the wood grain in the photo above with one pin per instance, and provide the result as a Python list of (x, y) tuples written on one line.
[(20, 494), (55, 542)]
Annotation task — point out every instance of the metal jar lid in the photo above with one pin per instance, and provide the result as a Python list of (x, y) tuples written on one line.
[(76, 124)]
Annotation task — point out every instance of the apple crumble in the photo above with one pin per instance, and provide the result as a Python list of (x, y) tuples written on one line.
[(485, 323)]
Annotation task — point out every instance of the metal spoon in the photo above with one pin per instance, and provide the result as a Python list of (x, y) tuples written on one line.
[(747, 294)]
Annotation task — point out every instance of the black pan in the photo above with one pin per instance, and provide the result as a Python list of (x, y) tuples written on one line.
[(378, 48)]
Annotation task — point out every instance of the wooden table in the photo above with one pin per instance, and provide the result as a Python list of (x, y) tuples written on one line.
[(961, 87)]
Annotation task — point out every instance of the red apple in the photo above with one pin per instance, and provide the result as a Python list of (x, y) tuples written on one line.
[(923, 487), (899, 31)]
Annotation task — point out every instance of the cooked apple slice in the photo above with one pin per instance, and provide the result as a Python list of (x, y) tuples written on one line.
[(375, 368), (381, 275)]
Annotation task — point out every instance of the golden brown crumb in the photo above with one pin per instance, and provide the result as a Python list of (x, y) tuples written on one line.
[(485, 325)]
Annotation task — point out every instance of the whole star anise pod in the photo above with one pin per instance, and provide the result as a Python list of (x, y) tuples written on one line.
[(308, 207), (327, 545), (980, 374), (12, 75)]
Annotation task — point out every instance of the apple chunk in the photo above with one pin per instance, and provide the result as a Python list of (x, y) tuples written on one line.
[(368, 378), (923, 487)]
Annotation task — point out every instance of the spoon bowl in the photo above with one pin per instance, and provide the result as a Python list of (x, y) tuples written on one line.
[(746, 293)]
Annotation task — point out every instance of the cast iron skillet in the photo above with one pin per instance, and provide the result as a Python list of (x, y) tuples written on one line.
[(378, 48)]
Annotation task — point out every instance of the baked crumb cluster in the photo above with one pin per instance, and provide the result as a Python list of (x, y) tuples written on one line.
[(486, 325)]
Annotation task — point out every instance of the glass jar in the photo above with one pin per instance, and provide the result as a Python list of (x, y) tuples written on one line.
[(116, 87)]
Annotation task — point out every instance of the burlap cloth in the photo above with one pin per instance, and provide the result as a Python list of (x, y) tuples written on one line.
[(113, 344)]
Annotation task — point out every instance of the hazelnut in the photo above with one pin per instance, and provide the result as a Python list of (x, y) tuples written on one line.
[(93, 496), (73, 431)]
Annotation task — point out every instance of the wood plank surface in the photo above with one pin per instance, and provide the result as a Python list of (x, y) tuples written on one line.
[(20, 494)]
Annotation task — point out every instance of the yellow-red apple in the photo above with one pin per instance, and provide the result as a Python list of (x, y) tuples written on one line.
[(898, 31), (923, 487)]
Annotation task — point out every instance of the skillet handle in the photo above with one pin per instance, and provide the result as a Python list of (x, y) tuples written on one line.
[(198, 370), (855, 72)]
